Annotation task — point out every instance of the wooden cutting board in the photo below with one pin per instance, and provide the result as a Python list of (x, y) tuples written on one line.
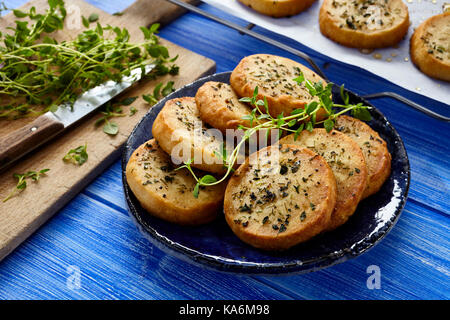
[(23, 214)]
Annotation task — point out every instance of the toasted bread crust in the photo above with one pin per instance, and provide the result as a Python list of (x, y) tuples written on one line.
[(280, 197), (219, 106), (273, 75), (430, 47), (181, 133), (374, 148), (347, 162), (278, 8), (166, 193), (387, 24)]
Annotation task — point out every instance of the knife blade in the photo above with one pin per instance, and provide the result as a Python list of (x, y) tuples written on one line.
[(45, 127)]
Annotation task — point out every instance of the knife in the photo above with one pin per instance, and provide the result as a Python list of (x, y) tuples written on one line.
[(45, 127)]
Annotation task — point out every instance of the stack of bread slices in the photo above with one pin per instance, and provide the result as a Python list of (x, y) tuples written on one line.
[(282, 194)]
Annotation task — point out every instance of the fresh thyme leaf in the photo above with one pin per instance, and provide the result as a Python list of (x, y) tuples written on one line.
[(196, 190), (246, 99), (93, 17), (344, 95), (128, 101), (328, 124), (22, 183), (78, 155), (168, 88), (300, 79), (361, 114), (20, 14), (85, 21), (150, 99), (313, 118), (159, 90), (266, 105), (111, 128), (298, 131), (310, 107), (255, 92), (263, 116), (133, 111), (207, 179), (260, 103), (292, 123)]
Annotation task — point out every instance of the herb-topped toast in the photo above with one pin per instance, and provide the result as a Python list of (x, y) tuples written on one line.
[(281, 196), (364, 23), (166, 192), (274, 76), (346, 160), (278, 8), (374, 148), (219, 106), (181, 133), (430, 47)]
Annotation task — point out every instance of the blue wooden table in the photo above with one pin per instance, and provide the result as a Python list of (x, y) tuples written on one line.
[(94, 235)]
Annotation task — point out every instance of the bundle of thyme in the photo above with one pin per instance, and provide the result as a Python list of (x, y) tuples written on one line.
[(299, 120), (37, 73)]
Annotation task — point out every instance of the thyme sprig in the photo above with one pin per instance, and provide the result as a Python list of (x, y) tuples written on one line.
[(300, 119), (159, 90), (22, 181), (78, 155), (38, 73), (112, 110)]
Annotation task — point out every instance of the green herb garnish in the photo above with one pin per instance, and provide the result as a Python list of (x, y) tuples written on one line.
[(159, 91), (305, 119), (133, 110), (114, 110), (77, 156), (93, 17), (39, 73), (22, 182)]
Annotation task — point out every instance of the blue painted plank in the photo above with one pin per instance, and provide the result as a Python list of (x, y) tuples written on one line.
[(413, 258), (115, 260), (413, 262)]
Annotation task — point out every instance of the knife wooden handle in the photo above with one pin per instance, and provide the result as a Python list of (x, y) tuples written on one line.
[(27, 138)]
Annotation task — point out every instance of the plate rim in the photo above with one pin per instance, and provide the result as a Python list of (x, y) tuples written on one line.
[(267, 268)]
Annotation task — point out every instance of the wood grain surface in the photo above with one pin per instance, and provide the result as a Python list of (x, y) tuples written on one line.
[(24, 213), (28, 137)]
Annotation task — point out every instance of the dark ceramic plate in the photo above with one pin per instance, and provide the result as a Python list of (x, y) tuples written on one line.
[(215, 246)]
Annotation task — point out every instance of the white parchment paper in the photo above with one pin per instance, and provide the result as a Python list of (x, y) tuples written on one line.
[(393, 64)]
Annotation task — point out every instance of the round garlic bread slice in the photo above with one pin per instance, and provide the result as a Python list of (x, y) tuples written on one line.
[(279, 197), (167, 193), (378, 159), (364, 23), (278, 8), (273, 75), (182, 134), (219, 106), (430, 47), (347, 162)]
